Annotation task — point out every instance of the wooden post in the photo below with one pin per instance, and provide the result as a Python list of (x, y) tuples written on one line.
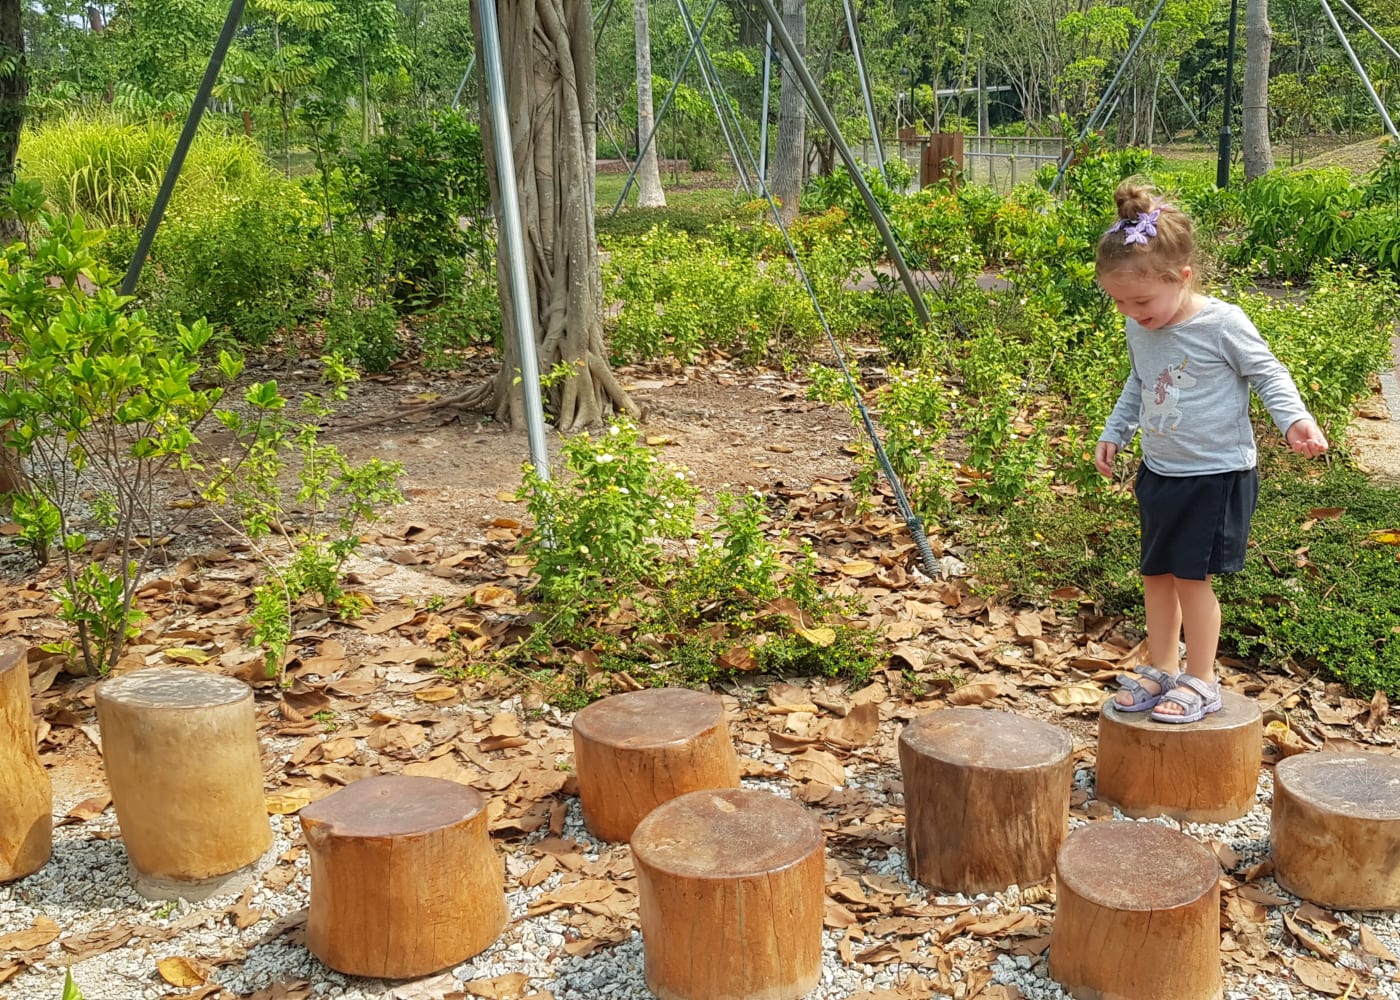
[(1137, 915), (1200, 772), (637, 750), (731, 889), (1335, 829), (986, 798), (26, 796), (181, 751), (941, 147), (404, 878)]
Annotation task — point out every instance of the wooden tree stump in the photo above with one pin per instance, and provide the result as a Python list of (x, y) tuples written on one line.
[(731, 889), (1137, 915), (986, 798), (1335, 829), (637, 750), (1199, 772), (26, 796), (404, 878), (181, 751)]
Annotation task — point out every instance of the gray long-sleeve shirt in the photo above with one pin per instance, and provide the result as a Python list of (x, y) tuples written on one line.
[(1189, 393)]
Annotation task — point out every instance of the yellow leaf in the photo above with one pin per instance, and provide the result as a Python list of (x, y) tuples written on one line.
[(506, 496), (187, 654), (491, 596), (1386, 536), (430, 694), (288, 802), (422, 397), (659, 439), (858, 568), (821, 636), (1079, 694), (180, 971)]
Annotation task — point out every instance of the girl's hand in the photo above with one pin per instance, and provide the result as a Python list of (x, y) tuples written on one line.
[(1306, 438), (1106, 451)]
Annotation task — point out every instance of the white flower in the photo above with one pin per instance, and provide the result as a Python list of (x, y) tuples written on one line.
[(680, 473), (614, 430), (605, 458), (583, 550)]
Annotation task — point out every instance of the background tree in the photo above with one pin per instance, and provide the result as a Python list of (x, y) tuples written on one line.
[(547, 50), (14, 90), (790, 159), (649, 193), (1258, 153)]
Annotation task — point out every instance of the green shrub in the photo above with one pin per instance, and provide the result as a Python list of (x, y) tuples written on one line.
[(1293, 220), (1320, 584), (681, 296), (1333, 341)]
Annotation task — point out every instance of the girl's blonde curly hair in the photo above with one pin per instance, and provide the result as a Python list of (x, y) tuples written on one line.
[(1151, 238)]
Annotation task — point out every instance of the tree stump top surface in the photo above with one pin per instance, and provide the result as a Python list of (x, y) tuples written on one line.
[(726, 833), (1125, 865), (394, 805), (173, 688), (978, 737), (1236, 710), (650, 718), (1360, 785), (12, 654)]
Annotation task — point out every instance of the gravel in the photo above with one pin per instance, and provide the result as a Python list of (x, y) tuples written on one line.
[(86, 888)]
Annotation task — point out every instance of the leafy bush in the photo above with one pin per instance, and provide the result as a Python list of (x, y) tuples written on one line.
[(235, 245), (1320, 583), (1293, 219), (617, 589), (98, 404), (681, 296), (1332, 368)]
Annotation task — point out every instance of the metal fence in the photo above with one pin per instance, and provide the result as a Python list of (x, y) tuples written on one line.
[(997, 161)]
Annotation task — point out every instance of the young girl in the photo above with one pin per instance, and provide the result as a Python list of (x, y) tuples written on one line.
[(1194, 359)]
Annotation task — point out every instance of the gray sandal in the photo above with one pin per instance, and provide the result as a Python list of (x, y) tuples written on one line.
[(1143, 699), (1196, 698)]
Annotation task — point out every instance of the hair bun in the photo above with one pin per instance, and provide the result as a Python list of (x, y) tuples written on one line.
[(1133, 198)]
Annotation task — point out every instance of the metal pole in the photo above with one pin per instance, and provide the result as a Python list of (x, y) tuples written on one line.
[(1367, 25), (513, 236), (182, 147), (763, 115), (1360, 71), (798, 68), (849, 7), (1107, 94), (656, 122), (703, 61), (1222, 159)]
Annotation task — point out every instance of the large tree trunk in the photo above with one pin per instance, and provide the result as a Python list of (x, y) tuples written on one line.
[(14, 91), (649, 193), (790, 156), (1258, 39), (547, 52)]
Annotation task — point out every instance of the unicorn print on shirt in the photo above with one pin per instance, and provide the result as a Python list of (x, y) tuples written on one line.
[(1161, 398)]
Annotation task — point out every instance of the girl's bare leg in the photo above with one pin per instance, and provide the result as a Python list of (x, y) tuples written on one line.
[(1200, 615), (1164, 616)]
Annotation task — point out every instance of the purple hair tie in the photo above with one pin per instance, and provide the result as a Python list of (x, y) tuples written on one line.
[(1138, 230)]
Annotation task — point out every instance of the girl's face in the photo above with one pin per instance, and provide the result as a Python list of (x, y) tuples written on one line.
[(1152, 301)]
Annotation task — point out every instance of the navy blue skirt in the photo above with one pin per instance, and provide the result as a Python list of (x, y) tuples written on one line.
[(1194, 526)]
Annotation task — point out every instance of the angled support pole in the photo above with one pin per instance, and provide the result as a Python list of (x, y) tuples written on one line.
[(512, 235), (182, 148), (854, 33), (715, 89), (1109, 94), (1367, 25), (1360, 70), (798, 68), (763, 114)]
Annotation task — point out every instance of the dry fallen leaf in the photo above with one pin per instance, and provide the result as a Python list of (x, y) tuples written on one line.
[(1079, 696), (42, 933), (819, 766), (511, 986), (288, 802), (177, 970)]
